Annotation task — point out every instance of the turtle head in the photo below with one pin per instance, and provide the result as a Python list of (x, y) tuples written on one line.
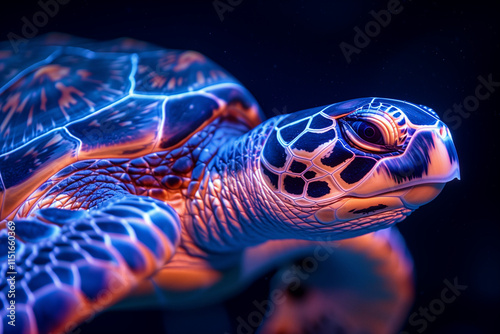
[(359, 165)]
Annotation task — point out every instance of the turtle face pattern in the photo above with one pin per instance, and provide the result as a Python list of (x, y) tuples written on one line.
[(358, 148)]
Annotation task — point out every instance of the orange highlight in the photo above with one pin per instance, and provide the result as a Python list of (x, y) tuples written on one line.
[(66, 99), (53, 72), (188, 58)]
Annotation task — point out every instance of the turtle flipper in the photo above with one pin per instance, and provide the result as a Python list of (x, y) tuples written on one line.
[(84, 261), (357, 285)]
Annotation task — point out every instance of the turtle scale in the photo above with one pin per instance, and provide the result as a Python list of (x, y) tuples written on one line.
[(70, 99)]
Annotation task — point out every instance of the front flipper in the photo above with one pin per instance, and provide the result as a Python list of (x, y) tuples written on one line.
[(357, 285), (73, 264)]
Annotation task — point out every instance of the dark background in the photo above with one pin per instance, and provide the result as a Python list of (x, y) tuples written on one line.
[(287, 54)]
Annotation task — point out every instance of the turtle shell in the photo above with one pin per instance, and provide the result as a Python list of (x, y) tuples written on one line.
[(65, 99)]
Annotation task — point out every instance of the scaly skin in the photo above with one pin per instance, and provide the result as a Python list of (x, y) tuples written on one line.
[(75, 263)]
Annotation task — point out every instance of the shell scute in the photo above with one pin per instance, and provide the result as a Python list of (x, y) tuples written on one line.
[(53, 150), (129, 126), (184, 115), (72, 85), (174, 72)]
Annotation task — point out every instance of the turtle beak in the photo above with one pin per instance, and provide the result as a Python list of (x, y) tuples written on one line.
[(433, 157), (442, 165), (420, 173)]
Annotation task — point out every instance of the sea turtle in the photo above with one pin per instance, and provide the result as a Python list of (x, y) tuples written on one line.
[(121, 161)]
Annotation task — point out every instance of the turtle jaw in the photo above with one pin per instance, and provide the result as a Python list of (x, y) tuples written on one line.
[(410, 197), (421, 194)]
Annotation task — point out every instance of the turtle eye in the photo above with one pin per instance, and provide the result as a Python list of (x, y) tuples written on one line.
[(370, 132)]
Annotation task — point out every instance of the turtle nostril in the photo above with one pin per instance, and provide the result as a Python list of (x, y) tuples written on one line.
[(442, 131)]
